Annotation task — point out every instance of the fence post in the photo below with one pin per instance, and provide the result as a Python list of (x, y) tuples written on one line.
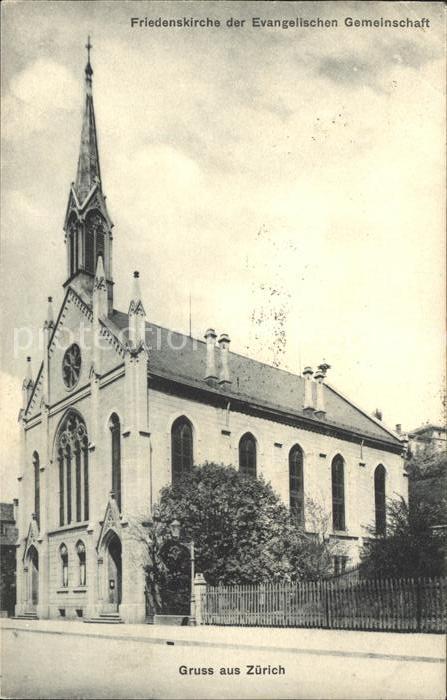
[(199, 594), (418, 605), (326, 603)]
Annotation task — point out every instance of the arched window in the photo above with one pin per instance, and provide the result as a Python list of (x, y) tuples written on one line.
[(338, 493), (296, 484), (64, 565), (89, 251), (181, 447), (80, 549), (247, 455), (36, 465), (115, 431), (72, 456), (77, 456), (380, 499), (95, 230), (60, 460)]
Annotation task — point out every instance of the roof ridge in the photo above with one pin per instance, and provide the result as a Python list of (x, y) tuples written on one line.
[(232, 352)]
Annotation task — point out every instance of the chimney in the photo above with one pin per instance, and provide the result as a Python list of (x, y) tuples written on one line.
[(224, 343), (211, 373), (308, 398), (320, 375), (320, 409), (16, 510), (399, 428), (378, 414)]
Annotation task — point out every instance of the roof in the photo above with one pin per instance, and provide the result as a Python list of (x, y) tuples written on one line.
[(179, 357), (428, 427)]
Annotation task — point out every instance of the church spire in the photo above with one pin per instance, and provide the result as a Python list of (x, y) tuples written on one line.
[(88, 164), (87, 226)]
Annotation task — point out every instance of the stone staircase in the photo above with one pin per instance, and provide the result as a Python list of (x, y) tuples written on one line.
[(26, 616), (106, 618)]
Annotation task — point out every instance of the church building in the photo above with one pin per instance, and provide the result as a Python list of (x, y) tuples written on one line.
[(120, 407)]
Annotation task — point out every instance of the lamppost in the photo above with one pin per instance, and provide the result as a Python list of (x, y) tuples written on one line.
[(175, 530)]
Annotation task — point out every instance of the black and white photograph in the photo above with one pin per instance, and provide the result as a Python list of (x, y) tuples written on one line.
[(223, 394)]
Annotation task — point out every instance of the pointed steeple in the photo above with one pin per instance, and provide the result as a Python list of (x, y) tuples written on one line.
[(137, 314), (49, 322), (28, 384), (100, 291), (88, 164)]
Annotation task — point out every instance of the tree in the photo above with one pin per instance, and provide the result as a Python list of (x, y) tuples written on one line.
[(243, 534), (412, 547)]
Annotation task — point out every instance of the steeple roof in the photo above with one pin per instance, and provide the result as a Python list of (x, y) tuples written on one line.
[(88, 164)]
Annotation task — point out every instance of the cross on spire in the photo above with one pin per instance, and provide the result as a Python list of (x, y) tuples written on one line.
[(88, 46), (88, 68)]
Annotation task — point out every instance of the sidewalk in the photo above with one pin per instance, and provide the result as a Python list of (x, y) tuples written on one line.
[(428, 648)]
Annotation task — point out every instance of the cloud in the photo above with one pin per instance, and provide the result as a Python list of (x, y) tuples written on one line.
[(372, 66), (39, 93), (348, 69)]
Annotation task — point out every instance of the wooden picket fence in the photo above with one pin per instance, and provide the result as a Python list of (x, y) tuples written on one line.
[(403, 605)]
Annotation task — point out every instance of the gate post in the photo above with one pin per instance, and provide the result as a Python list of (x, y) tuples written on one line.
[(199, 592)]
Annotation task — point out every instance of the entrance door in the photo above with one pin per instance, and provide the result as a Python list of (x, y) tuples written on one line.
[(33, 573), (114, 574)]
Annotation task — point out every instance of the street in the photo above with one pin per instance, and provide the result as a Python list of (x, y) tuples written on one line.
[(87, 661)]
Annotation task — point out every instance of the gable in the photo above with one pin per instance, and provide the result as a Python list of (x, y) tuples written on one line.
[(74, 326)]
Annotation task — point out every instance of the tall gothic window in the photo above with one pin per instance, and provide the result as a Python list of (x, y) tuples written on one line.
[(99, 246), (95, 230), (86, 491), (115, 431), (63, 551), (338, 493), (36, 465), (72, 457), (247, 455), (80, 550), (89, 251), (296, 484), (60, 460), (181, 447), (77, 455), (380, 499), (73, 242), (68, 462)]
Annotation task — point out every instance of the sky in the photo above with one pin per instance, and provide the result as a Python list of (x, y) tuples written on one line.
[(290, 180)]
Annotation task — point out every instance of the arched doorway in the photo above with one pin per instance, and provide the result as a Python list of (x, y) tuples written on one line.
[(113, 572), (33, 578)]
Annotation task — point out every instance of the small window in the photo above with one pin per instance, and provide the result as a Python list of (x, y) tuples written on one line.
[(247, 455), (80, 549), (340, 564), (64, 562)]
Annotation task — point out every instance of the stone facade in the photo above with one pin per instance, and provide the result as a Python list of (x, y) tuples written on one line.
[(96, 428)]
